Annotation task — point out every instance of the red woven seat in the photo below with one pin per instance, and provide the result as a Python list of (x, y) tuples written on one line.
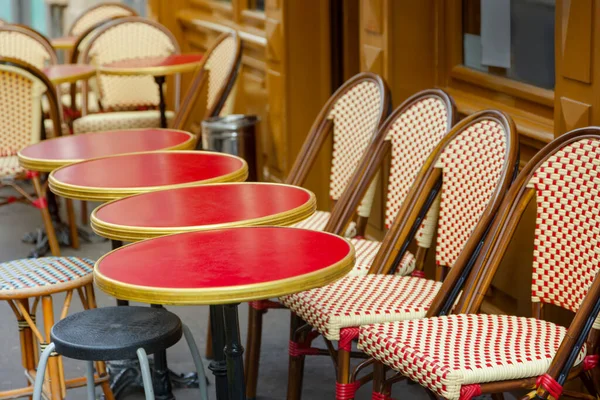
[(445, 354), (361, 300)]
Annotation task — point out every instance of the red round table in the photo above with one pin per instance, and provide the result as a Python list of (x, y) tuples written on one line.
[(203, 207), (109, 178), (159, 67), (224, 267), (50, 154), (69, 73)]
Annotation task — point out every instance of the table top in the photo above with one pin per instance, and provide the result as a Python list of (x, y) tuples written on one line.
[(157, 66), (109, 178), (202, 208), (69, 73), (50, 154), (224, 266), (64, 42)]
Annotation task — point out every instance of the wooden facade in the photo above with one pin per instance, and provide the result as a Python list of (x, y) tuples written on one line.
[(297, 51)]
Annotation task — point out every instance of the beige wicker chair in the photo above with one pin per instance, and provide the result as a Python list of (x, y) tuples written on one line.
[(457, 354), (474, 163), (25, 44), (99, 13), (214, 80)]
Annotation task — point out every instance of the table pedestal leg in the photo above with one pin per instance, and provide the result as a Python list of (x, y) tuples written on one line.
[(233, 353), (160, 81), (160, 377), (218, 365)]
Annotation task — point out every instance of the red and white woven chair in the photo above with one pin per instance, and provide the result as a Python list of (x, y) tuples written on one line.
[(120, 39), (352, 115), (471, 169), (214, 80), (97, 14), (22, 87), (462, 355)]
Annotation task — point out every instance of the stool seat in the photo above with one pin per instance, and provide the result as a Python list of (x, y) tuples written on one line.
[(115, 333)]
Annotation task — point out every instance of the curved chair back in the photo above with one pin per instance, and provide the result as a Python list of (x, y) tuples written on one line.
[(215, 78), (353, 114), (470, 170), (26, 44), (21, 89), (128, 38), (99, 13)]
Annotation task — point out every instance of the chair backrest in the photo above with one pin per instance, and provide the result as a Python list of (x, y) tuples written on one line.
[(470, 170), (25, 44), (21, 89), (98, 13), (218, 73), (354, 114), (564, 180), (128, 38)]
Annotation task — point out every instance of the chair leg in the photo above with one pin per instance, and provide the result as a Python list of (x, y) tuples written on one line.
[(26, 341), (296, 362), (52, 240), (41, 371), (73, 234), (146, 375), (84, 213), (344, 390), (189, 338), (253, 346), (53, 364), (89, 377)]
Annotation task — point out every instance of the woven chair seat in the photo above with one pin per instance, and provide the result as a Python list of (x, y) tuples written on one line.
[(32, 273), (445, 354), (66, 102), (119, 120), (360, 300), (366, 250), (9, 167)]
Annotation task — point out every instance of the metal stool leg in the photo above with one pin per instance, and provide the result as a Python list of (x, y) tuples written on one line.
[(146, 375), (189, 338), (91, 386), (41, 372)]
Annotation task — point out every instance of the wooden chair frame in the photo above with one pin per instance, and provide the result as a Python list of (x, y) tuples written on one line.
[(315, 140), (100, 5), (478, 277), (32, 33), (111, 24), (406, 223)]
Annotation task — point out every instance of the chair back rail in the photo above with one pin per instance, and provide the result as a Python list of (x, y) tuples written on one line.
[(352, 115), (121, 39), (97, 14), (481, 146), (411, 133), (214, 79), (26, 44)]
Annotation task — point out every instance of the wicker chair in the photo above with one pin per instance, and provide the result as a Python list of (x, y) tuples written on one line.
[(471, 169), (412, 130), (25, 44), (23, 86), (127, 38), (97, 14), (214, 80), (467, 354)]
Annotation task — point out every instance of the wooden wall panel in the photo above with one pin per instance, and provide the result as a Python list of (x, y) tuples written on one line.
[(576, 39)]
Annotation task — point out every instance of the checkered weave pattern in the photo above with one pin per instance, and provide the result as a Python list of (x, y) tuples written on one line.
[(219, 63), (355, 120), (119, 120), (366, 250), (129, 40), (413, 135), (96, 15), (20, 114), (315, 222), (361, 300), (464, 349), (25, 48), (472, 164), (565, 258), (9, 166), (35, 272)]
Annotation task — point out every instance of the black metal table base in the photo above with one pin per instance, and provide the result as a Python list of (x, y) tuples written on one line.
[(228, 364), (125, 377)]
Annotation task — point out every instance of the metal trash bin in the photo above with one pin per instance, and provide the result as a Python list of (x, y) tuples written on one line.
[(233, 134)]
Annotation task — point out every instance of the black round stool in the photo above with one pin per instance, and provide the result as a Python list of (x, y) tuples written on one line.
[(115, 333)]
